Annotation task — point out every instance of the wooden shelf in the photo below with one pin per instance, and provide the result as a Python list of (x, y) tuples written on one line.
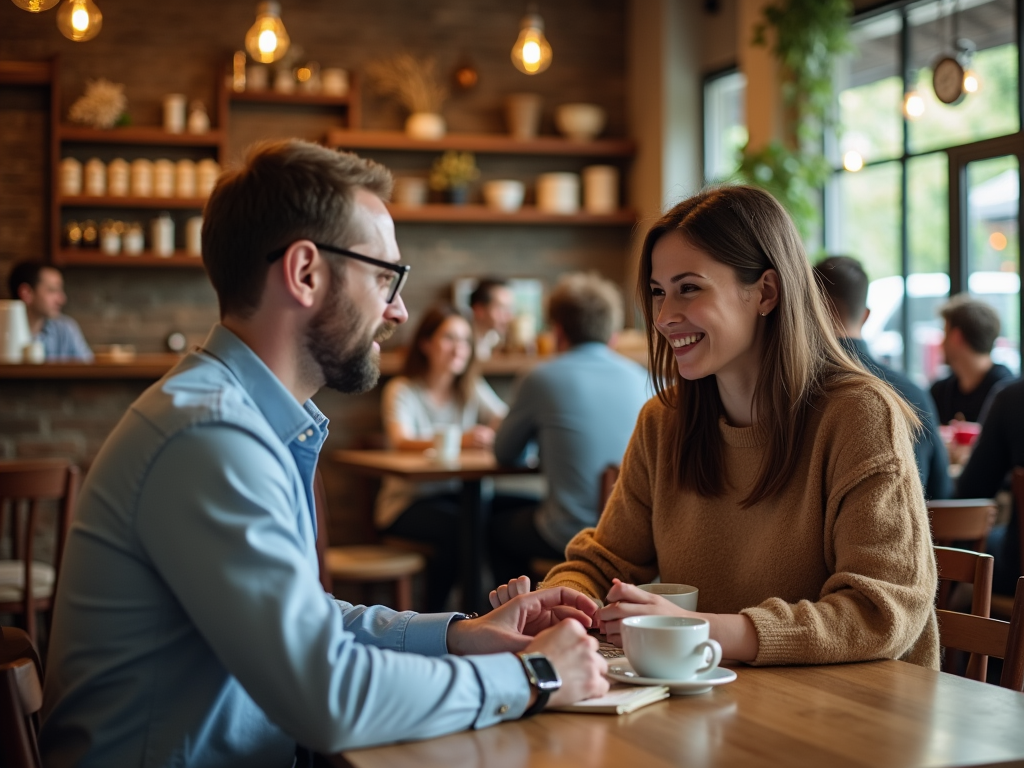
[(138, 135), (107, 201), (149, 366), (481, 214), (483, 143), (25, 72), (91, 257), (292, 99)]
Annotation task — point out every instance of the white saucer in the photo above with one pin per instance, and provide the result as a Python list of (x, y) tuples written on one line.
[(621, 671)]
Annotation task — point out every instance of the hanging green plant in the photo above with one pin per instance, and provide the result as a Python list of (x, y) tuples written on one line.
[(809, 34)]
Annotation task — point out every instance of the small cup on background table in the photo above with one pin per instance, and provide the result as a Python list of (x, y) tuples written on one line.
[(447, 443)]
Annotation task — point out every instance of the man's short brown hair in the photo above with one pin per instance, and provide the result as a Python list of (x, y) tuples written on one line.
[(587, 308), (977, 322), (285, 191)]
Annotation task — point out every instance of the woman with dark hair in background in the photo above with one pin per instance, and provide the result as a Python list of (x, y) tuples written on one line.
[(439, 389), (771, 471)]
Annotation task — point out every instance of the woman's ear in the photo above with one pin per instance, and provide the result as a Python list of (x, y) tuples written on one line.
[(769, 285)]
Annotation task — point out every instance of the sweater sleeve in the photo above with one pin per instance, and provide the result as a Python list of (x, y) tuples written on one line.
[(878, 602), (622, 545)]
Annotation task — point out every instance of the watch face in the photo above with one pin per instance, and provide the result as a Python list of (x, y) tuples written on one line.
[(948, 80), (544, 672)]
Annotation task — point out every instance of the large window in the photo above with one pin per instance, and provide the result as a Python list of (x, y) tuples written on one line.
[(725, 124), (903, 147)]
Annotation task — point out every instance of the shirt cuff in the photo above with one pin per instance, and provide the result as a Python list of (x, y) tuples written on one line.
[(506, 691), (427, 634)]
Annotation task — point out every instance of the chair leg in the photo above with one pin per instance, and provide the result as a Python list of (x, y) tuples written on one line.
[(403, 593)]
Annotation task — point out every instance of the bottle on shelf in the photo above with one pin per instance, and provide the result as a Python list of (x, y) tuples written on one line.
[(162, 235), (133, 242)]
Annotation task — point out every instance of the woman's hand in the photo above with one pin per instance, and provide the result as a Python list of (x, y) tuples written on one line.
[(626, 600), (506, 592), (478, 437)]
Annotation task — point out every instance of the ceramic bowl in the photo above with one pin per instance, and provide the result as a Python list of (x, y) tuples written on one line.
[(504, 194), (580, 122)]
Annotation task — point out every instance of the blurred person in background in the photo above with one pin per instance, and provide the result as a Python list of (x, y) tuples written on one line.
[(972, 328), (845, 285), (439, 388), (493, 309), (41, 288), (581, 409)]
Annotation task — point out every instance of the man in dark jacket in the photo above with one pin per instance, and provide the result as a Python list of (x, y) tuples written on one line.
[(845, 285)]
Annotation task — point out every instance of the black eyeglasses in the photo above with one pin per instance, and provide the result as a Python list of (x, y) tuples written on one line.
[(401, 271)]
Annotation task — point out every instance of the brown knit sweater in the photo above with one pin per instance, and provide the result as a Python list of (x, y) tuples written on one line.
[(839, 567)]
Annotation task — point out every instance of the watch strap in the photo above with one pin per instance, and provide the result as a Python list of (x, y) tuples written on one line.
[(539, 703)]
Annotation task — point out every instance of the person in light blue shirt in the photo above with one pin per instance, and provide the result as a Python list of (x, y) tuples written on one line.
[(581, 409), (41, 288), (190, 626)]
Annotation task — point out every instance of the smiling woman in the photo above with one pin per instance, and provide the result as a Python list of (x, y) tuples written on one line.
[(771, 471)]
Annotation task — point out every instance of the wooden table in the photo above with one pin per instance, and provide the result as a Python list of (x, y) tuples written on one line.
[(883, 713), (473, 466)]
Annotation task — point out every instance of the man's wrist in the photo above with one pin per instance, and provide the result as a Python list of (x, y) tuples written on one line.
[(457, 627)]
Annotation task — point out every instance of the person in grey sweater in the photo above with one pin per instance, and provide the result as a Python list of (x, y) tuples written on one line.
[(580, 409)]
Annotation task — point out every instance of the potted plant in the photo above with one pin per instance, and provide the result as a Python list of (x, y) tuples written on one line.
[(452, 173), (413, 83)]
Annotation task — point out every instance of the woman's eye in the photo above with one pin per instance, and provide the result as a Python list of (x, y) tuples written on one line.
[(687, 288), (657, 291)]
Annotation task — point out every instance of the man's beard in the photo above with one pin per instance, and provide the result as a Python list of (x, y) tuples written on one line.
[(347, 365)]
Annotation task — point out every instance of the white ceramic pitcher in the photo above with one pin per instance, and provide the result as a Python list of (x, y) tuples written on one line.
[(14, 333)]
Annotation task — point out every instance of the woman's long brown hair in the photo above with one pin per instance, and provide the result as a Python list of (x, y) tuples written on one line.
[(746, 229), (416, 363)]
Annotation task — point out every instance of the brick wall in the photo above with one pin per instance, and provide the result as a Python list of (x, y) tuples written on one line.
[(158, 48)]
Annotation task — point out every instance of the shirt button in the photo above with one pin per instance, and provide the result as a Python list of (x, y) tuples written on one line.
[(302, 438), (309, 433), (503, 709)]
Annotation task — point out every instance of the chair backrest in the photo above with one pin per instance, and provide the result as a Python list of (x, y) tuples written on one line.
[(990, 637), (1018, 498), (962, 520), (608, 478), (322, 538), (961, 565), (21, 697), (23, 485)]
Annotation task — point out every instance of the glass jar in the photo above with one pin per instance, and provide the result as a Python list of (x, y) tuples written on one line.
[(70, 177), (95, 177), (118, 177), (133, 241)]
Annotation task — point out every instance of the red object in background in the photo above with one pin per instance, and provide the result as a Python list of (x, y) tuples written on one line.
[(966, 432)]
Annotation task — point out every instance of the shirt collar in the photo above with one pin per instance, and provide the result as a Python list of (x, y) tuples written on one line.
[(286, 416)]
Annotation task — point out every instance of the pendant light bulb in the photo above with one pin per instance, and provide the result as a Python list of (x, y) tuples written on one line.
[(913, 105), (971, 82), (532, 53), (35, 6), (79, 20), (267, 41)]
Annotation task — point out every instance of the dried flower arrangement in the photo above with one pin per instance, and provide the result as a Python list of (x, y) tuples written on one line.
[(412, 82), (453, 169), (102, 105)]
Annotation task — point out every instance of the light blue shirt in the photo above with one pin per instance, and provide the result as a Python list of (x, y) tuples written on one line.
[(581, 409), (62, 340), (191, 628)]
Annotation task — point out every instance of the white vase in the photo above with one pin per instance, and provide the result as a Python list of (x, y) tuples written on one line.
[(427, 126)]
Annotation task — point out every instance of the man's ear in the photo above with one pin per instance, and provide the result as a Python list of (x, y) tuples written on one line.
[(302, 271), (25, 293)]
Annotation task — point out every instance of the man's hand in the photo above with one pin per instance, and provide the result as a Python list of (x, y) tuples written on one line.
[(506, 592), (479, 436), (573, 654), (512, 626)]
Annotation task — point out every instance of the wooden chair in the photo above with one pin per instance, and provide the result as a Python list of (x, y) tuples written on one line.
[(21, 697), (962, 520), (990, 637), (961, 565), (540, 566), (369, 564), (1002, 605), (26, 585)]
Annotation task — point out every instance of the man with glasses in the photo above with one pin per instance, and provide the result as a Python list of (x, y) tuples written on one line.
[(190, 626)]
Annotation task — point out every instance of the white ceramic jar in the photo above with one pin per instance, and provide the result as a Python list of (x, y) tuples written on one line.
[(118, 177), (162, 235), (95, 177), (142, 178), (133, 242), (174, 112), (194, 236), (185, 179), (163, 178), (600, 189), (558, 193), (70, 177)]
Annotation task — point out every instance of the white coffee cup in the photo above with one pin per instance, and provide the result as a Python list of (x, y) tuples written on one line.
[(447, 443), (682, 595), (669, 647)]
